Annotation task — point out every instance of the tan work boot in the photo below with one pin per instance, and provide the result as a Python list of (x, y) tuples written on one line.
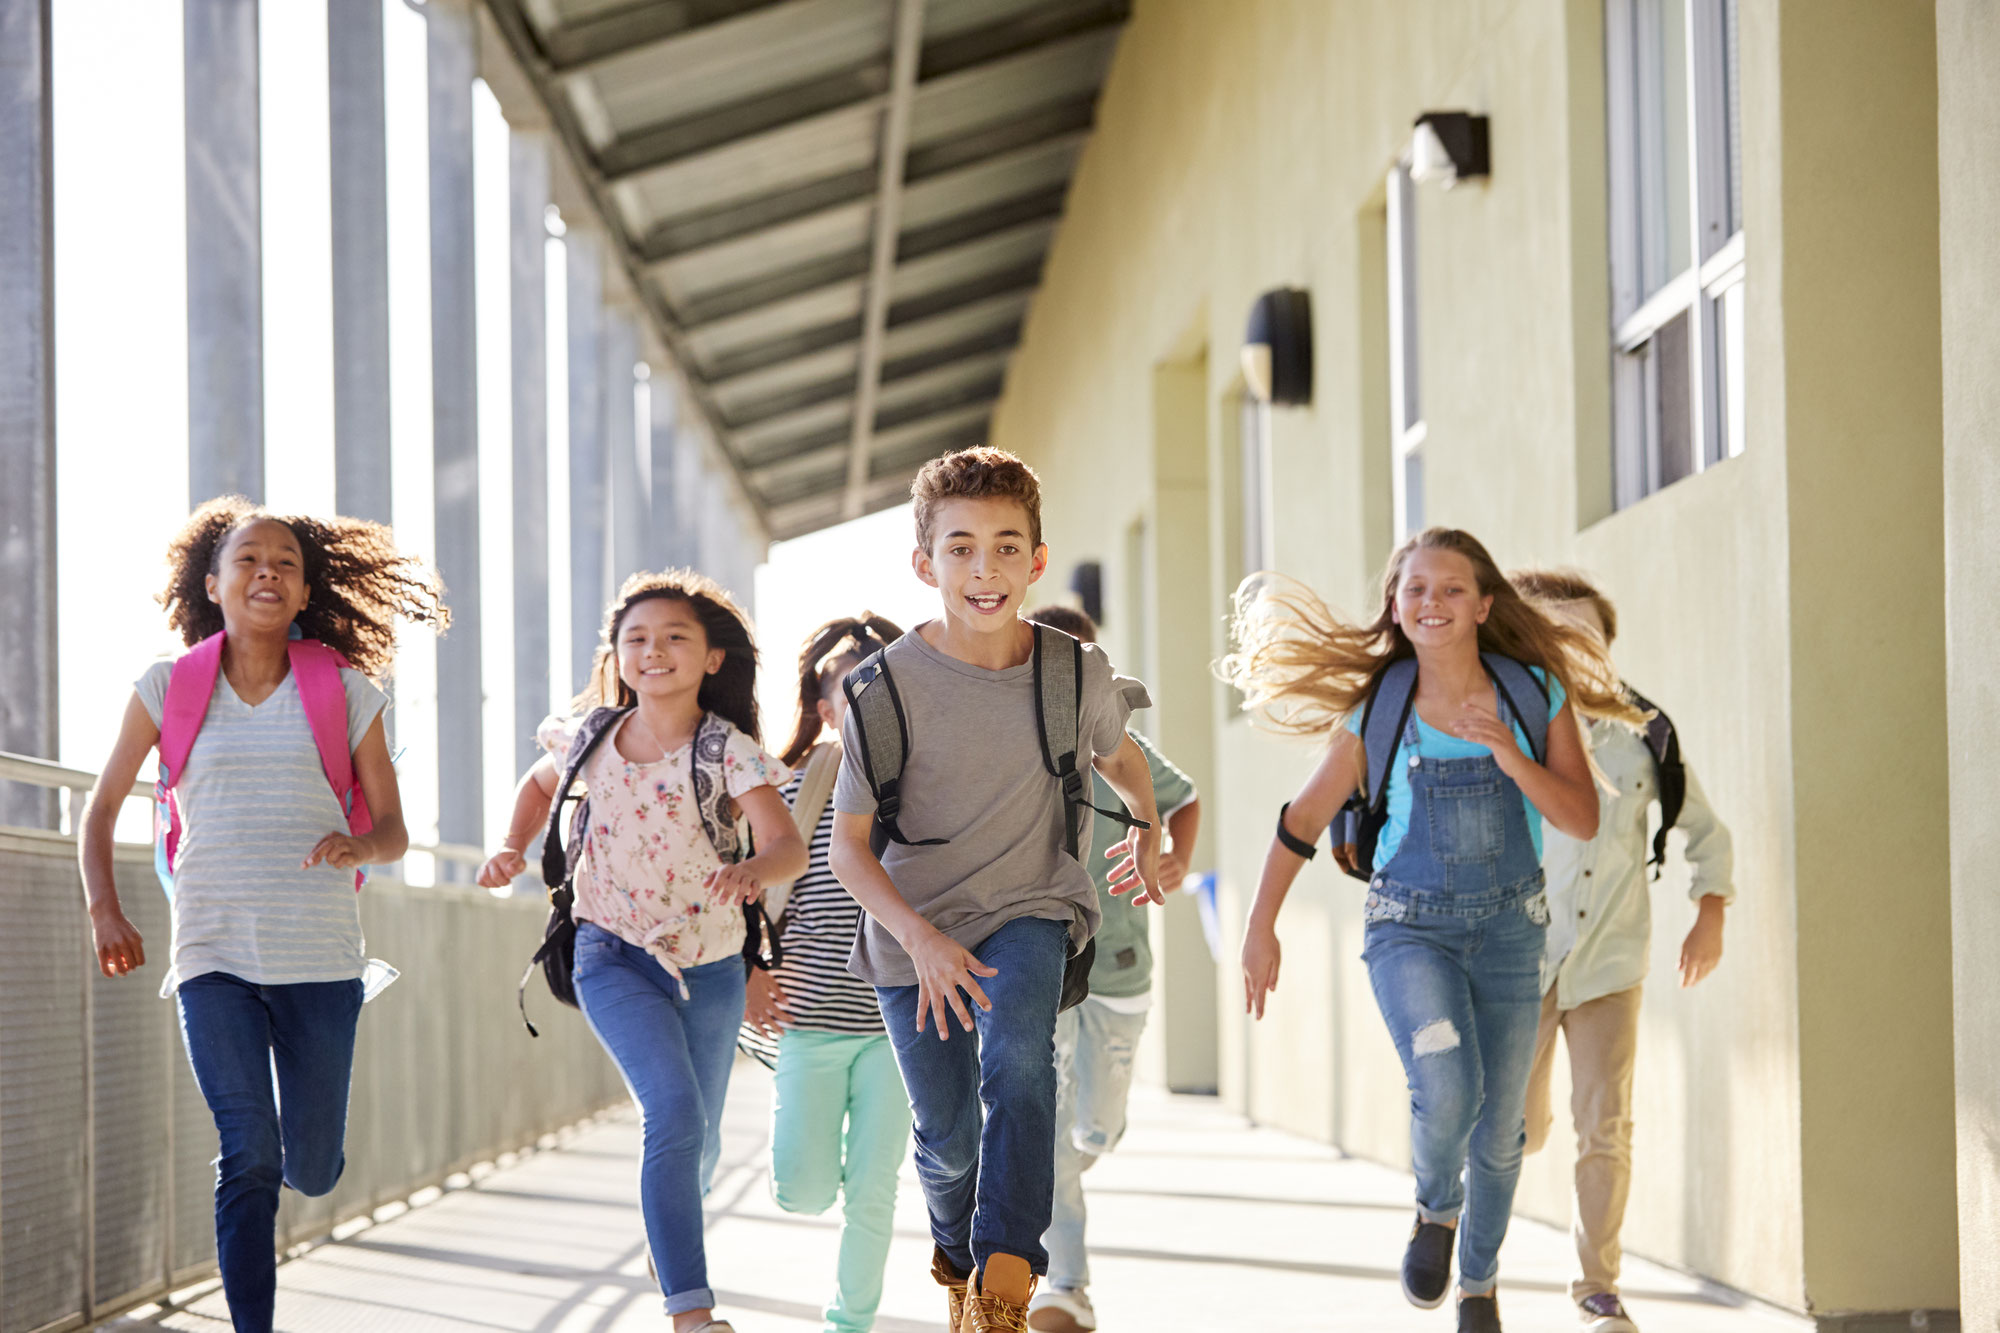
[(954, 1286), (991, 1305)]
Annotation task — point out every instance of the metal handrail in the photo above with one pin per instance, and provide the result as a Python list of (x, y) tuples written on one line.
[(34, 772)]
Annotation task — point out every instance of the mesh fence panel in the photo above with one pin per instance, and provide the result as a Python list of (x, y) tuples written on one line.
[(99, 1112)]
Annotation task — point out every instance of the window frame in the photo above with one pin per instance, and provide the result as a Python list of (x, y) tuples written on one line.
[(1707, 288), (1408, 429)]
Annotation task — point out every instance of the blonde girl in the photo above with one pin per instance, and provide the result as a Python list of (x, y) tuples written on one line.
[(1456, 913), (659, 969)]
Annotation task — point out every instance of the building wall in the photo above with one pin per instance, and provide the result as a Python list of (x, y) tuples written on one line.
[(1241, 148), (1968, 46)]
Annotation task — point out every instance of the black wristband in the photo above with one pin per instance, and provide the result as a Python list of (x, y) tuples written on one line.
[(1295, 845)]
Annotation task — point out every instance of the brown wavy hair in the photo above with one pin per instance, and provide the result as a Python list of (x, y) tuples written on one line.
[(830, 652), (1304, 670), (1566, 585), (731, 692), (358, 584)]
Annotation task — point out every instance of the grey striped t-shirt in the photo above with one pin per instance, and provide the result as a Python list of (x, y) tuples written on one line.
[(253, 801)]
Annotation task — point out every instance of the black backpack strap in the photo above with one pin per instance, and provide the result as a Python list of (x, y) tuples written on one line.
[(884, 733), (1058, 659), (1527, 696), (558, 863), (1665, 742)]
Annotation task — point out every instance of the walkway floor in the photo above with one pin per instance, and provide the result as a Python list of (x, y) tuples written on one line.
[(1196, 1215)]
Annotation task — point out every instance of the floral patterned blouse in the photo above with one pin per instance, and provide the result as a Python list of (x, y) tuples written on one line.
[(645, 855)]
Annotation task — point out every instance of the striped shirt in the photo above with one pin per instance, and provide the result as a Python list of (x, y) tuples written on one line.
[(254, 800), (817, 935)]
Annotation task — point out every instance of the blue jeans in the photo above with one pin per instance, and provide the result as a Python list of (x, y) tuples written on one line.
[(989, 1179), (1095, 1047), (675, 1054), (1462, 998), (237, 1034)]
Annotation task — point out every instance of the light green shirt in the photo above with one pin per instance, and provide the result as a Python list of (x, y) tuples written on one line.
[(1124, 965)]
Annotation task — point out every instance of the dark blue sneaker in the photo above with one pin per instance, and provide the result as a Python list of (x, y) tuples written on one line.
[(1427, 1264), (1479, 1314)]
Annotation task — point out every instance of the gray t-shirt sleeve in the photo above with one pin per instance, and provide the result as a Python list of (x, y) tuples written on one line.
[(851, 794), (152, 688), (364, 704), (1108, 701)]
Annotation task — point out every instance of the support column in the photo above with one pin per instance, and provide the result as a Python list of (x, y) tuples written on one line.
[(663, 516), (1968, 45), (527, 203), (453, 62), (225, 248), (359, 156), (27, 407), (621, 435), (587, 511)]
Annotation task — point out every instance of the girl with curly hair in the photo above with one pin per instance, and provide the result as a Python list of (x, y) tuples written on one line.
[(1456, 912), (659, 968), (267, 958)]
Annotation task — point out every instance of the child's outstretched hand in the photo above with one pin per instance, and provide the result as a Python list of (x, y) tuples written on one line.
[(1702, 949), (1139, 872), (501, 868), (733, 884), (342, 851), (1261, 956), (944, 969)]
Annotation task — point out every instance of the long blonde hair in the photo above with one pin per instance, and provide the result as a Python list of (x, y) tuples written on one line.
[(1303, 670)]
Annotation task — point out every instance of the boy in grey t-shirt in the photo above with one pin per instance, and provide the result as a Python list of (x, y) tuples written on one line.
[(974, 932)]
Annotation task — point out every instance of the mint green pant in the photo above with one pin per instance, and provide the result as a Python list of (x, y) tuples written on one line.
[(840, 1125)]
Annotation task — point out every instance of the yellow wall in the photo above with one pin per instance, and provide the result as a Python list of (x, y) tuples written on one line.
[(1242, 147)]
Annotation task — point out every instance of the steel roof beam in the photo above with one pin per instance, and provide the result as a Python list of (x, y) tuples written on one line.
[(888, 228)]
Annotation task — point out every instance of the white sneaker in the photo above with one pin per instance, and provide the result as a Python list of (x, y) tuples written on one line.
[(1605, 1313), (1059, 1311)]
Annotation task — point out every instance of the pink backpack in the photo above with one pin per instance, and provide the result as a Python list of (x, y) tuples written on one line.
[(316, 668)]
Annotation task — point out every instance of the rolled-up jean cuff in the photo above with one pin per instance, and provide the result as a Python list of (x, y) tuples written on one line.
[(1481, 1287), (701, 1298), (1444, 1218)]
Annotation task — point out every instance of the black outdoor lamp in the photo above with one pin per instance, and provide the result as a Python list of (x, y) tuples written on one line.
[(1278, 348), (1449, 147)]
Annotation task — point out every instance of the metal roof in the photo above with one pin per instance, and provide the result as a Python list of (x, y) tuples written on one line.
[(837, 210)]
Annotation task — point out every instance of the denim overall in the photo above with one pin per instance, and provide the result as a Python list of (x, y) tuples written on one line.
[(1455, 925)]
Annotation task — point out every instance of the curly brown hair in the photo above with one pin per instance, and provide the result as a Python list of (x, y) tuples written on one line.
[(1303, 669), (731, 692), (975, 474), (358, 584)]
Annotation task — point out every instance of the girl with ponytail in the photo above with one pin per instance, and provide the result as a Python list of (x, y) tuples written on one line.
[(659, 970), (1456, 912), (835, 1066)]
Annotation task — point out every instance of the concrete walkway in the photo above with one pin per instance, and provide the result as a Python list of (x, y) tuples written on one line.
[(1201, 1222)]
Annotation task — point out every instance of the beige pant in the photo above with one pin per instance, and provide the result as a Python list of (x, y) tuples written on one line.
[(1602, 1036)]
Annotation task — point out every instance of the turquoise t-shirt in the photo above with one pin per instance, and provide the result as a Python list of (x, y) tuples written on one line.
[(1435, 744)]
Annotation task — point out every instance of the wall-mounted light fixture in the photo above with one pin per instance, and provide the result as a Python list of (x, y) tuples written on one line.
[(1449, 146), (1278, 348)]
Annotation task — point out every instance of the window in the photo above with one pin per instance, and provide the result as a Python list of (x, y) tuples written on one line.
[(1254, 429), (1406, 417), (1676, 240)]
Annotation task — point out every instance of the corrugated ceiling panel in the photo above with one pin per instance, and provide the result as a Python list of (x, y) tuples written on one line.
[(688, 277), (808, 150), (1006, 89)]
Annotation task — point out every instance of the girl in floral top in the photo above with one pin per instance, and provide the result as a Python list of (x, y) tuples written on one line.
[(659, 967)]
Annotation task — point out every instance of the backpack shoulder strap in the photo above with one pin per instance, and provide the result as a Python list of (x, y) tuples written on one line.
[(1058, 659), (1524, 693), (557, 864), (317, 668), (189, 689), (1383, 719), (711, 792), (1664, 740), (884, 733), (815, 789)]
